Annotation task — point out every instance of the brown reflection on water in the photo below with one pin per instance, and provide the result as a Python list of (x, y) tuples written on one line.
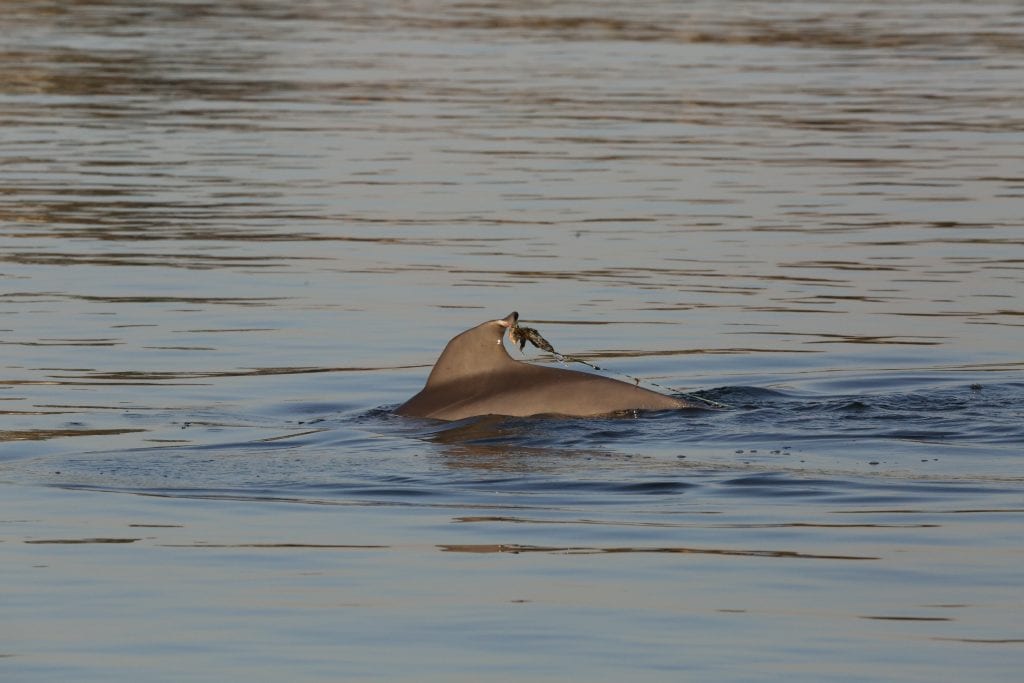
[(496, 548), (80, 541), (45, 434), (987, 641), (905, 618), (685, 525), (139, 376), (485, 548), (846, 28), (276, 546), (30, 297)]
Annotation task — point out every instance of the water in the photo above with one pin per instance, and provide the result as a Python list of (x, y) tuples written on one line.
[(232, 236)]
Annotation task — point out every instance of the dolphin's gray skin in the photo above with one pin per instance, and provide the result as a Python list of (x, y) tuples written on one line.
[(476, 376)]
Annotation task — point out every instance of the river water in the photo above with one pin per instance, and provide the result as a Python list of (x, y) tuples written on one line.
[(234, 235)]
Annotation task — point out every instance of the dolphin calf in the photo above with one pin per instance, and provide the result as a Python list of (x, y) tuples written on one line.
[(476, 376)]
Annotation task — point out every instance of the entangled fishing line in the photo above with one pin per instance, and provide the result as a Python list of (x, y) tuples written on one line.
[(519, 335)]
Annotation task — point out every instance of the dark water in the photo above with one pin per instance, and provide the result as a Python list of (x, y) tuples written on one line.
[(233, 235)]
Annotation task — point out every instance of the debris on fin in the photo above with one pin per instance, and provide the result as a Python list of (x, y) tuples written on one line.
[(519, 335)]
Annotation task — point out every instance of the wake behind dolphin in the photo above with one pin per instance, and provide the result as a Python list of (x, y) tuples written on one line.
[(475, 375)]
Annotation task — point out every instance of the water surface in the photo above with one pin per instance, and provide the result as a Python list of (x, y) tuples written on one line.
[(233, 236)]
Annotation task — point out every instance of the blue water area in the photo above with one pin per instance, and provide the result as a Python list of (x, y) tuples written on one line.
[(793, 530)]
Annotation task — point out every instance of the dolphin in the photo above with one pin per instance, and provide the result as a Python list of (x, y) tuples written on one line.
[(475, 375)]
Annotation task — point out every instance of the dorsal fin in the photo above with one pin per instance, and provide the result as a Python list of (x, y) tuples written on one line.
[(474, 352)]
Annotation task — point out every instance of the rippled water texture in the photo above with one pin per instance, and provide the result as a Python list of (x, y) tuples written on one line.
[(233, 236)]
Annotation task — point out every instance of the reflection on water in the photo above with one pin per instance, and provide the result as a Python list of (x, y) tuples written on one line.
[(233, 234)]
